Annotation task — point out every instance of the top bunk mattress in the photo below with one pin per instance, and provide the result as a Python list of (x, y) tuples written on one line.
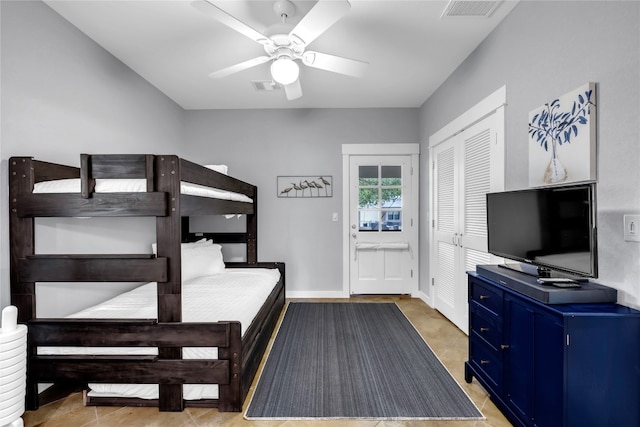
[(73, 185)]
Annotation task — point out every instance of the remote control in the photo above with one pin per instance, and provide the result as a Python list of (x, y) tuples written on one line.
[(555, 280), (565, 285)]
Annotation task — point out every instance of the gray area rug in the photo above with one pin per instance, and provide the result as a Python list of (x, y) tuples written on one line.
[(354, 360)]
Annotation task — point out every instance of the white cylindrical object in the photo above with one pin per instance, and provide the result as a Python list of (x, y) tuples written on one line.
[(13, 375), (9, 319)]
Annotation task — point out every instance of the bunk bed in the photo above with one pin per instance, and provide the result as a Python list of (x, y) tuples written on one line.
[(165, 195)]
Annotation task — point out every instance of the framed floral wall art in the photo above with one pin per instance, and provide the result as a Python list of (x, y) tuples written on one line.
[(562, 139)]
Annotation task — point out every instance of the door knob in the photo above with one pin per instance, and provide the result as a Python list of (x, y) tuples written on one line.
[(353, 226), (353, 235)]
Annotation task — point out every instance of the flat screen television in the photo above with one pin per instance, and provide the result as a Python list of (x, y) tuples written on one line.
[(552, 229)]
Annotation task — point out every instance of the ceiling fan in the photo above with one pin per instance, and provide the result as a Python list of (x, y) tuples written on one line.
[(285, 45)]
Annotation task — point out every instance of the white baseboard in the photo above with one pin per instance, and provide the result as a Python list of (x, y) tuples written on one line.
[(317, 294), (341, 294), (426, 298)]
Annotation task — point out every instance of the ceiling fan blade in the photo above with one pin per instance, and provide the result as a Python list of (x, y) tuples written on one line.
[(322, 16), (239, 67), (293, 90), (223, 17), (336, 64)]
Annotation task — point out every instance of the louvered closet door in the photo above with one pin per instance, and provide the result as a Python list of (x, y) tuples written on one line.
[(462, 177), (445, 225), (477, 183)]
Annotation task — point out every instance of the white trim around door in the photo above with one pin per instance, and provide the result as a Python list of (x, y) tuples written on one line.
[(348, 152)]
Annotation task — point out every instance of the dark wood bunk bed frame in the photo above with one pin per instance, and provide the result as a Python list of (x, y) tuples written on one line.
[(238, 357)]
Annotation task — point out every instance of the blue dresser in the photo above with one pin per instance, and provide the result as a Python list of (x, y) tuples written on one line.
[(570, 365)]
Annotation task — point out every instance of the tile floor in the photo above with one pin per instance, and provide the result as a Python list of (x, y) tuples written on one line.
[(447, 341)]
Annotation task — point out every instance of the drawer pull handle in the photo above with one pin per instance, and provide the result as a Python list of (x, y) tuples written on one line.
[(484, 362), (484, 297), (484, 329), (504, 346)]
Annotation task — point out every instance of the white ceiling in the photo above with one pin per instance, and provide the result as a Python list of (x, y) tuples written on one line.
[(410, 49)]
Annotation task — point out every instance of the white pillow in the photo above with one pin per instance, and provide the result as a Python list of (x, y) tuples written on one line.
[(200, 261), (201, 242), (71, 185), (218, 168), (121, 185)]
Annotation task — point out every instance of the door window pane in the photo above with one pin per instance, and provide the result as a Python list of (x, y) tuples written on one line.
[(368, 175), (391, 175), (391, 198), (369, 220), (391, 221), (368, 198)]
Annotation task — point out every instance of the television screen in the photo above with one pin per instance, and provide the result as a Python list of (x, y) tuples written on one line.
[(552, 228)]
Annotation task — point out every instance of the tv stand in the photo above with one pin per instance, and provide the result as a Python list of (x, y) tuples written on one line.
[(564, 365), (538, 271), (527, 284)]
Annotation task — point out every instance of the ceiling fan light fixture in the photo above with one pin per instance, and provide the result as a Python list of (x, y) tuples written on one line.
[(284, 70), (286, 42)]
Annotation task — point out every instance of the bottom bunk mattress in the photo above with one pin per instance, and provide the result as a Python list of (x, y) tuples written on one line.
[(237, 294)]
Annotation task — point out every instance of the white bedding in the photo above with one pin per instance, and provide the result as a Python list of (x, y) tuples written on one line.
[(134, 186), (235, 294)]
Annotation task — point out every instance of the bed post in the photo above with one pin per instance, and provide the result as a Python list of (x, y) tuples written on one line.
[(21, 180), (21, 244), (230, 397), (168, 230), (252, 231)]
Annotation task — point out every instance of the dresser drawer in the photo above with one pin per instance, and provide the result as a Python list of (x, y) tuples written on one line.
[(485, 324), (486, 359), (486, 296)]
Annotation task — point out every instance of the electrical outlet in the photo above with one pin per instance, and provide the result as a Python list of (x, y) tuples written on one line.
[(632, 228)]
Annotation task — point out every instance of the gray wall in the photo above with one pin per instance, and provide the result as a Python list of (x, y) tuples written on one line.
[(259, 145), (62, 94), (542, 50)]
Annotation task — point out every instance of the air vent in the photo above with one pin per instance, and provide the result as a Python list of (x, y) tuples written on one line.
[(469, 8), (265, 85)]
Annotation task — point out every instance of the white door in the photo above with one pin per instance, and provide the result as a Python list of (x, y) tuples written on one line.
[(383, 230), (462, 175), (445, 230)]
